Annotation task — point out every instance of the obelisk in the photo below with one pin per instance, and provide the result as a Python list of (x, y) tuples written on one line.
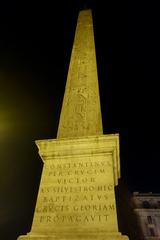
[(76, 198)]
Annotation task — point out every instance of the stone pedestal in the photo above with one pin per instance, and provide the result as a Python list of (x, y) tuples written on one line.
[(76, 236), (76, 198)]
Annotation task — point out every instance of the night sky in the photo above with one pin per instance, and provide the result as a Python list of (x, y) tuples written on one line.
[(35, 46)]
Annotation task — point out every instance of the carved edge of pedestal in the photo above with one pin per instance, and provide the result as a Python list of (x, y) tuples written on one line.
[(50, 149), (75, 236)]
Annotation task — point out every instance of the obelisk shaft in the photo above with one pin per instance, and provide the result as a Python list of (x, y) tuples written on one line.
[(81, 113)]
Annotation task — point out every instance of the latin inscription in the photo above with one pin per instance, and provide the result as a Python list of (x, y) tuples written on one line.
[(76, 191)]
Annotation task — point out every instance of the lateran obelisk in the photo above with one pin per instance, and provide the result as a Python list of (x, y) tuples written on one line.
[(76, 198)]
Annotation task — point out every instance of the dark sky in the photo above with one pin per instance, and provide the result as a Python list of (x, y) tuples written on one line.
[(35, 46)]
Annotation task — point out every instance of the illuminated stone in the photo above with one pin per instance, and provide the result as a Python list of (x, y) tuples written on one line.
[(76, 198), (81, 113)]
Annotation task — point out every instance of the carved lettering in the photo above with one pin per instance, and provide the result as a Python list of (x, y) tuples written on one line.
[(77, 192), (77, 189), (74, 218)]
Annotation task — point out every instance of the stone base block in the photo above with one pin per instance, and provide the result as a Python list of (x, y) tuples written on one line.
[(76, 236)]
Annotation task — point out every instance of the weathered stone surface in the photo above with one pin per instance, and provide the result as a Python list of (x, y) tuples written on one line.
[(76, 198), (81, 113), (77, 185)]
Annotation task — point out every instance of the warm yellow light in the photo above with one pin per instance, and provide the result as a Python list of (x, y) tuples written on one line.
[(5, 125)]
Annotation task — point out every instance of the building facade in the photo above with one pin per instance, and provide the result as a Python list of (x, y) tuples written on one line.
[(147, 210)]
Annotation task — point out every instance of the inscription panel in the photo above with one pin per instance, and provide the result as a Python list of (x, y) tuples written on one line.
[(77, 192)]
